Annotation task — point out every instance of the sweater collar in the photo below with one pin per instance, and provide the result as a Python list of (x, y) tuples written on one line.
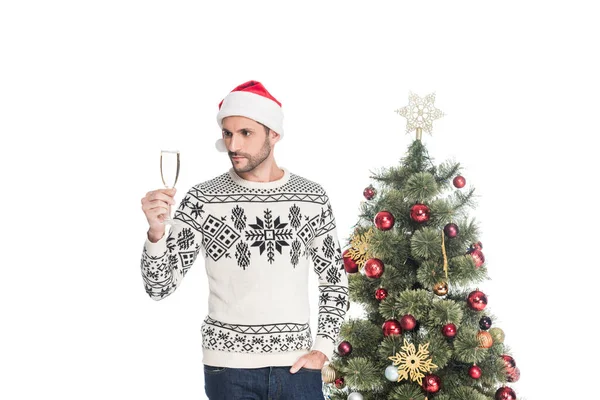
[(260, 185)]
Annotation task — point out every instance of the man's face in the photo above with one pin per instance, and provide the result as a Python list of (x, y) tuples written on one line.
[(247, 141)]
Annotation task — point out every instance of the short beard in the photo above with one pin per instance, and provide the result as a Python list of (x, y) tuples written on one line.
[(253, 161)]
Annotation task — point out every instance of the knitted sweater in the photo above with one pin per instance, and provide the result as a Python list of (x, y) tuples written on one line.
[(258, 240)]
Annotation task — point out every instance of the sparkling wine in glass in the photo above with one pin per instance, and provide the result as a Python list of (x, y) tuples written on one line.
[(169, 172)]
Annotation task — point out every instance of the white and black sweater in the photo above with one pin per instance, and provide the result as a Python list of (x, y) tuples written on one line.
[(259, 240)]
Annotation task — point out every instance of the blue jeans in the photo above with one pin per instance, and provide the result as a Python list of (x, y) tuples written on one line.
[(266, 383)]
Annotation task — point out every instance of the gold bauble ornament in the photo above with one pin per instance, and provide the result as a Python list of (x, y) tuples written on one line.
[(485, 339), (440, 288), (497, 335), (328, 374)]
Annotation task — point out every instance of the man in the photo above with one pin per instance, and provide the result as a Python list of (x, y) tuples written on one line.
[(260, 228)]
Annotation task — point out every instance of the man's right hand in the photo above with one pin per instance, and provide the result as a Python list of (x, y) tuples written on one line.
[(156, 205)]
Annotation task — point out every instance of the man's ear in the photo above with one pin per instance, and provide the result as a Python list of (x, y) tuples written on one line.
[(274, 136)]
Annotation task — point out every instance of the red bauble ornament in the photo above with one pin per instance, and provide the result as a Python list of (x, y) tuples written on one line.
[(477, 246), (384, 220), (349, 264), (381, 294), (373, 268), (369, 192), (513, 375), (449, 330), (509, 362), (391, 327), (505, 393), (408, 322), (419, 213), (432, 383), (459, 181), (339, 382), (344, 348), (478, 257), (451, 230), (475, 372), (477, 300)]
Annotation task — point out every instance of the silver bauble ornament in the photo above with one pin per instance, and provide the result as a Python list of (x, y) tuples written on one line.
[(391, 373), (355, 396)]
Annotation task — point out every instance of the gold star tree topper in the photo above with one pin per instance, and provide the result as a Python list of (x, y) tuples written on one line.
[(420, 113)]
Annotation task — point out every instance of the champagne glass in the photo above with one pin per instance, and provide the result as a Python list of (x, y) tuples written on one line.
[(169, 172)]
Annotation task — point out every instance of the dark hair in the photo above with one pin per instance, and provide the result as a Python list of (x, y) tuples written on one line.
[(267, 130)]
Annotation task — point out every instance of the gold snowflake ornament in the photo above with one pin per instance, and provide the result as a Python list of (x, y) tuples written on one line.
[(420, 113), (412, 362), (359, 247)]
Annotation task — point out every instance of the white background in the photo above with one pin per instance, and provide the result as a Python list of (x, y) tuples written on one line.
[(91, 91)]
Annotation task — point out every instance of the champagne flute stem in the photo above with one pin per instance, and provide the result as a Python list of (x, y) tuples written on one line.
[(169, 218)]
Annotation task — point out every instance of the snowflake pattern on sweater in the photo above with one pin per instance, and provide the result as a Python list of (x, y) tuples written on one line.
[(258, 241)]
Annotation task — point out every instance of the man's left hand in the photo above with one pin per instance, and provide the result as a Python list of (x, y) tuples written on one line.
[(315, 359)]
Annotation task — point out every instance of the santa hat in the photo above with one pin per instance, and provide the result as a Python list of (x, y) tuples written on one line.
[(251, 100)]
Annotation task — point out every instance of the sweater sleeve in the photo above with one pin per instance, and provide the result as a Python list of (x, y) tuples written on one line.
[(165, 263), (333, 281)]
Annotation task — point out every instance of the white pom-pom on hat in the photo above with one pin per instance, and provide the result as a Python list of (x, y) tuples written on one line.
[(220, 145)]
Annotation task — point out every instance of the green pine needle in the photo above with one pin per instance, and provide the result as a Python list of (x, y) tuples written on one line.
[(360, 373), (419, 187), (426, 244), (406, 391)]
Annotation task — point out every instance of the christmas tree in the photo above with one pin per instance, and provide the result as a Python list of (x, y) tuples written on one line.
[(414, 260)]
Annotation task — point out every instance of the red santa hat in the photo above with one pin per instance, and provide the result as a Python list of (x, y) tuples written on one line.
[(251, 100)]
